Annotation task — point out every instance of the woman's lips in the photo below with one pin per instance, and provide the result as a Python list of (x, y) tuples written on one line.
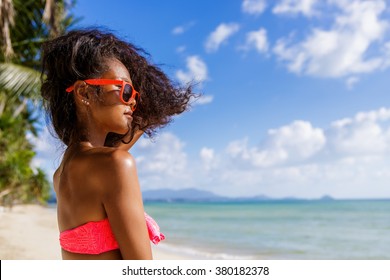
[(129, 115)]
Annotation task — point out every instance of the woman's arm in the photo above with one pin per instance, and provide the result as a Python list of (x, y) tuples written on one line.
[(122, 200)]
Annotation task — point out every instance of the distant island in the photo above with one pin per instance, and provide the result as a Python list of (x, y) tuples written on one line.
[(195, 195)]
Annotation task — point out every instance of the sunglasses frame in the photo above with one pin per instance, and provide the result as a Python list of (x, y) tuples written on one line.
[(101, 82)]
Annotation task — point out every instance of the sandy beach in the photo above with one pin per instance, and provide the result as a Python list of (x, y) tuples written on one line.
[(30, 232)]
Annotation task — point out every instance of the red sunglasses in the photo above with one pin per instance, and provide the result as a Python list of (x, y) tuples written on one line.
[(127, 90)]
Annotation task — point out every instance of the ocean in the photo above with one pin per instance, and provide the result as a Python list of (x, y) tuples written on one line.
[(324, 230)]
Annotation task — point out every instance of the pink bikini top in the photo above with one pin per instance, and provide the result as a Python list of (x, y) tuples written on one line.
[(97, 237)]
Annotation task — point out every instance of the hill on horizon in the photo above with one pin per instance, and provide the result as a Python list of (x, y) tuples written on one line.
[(192, 194)]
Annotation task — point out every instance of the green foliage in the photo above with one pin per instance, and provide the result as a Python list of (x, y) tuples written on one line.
[(19, 90), (18, 181)]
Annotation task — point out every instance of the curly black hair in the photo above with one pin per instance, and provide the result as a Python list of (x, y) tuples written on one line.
[(81, 54)]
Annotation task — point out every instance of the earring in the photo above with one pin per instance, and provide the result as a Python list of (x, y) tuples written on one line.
[(85, 101)]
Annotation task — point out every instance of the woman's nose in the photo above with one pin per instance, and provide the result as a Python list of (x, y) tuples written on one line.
[(133, 104)]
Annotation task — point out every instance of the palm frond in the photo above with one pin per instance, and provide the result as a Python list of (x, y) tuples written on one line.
[(20, 80)]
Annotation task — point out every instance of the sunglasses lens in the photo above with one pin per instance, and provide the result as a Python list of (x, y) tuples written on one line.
[(127, 92)]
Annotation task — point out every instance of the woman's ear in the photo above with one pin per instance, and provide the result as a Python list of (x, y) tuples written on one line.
[(81, 92)]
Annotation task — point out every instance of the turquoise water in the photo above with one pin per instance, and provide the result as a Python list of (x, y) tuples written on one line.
[(276, 229)]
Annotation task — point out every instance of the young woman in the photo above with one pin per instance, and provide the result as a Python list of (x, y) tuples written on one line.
[(101, 94)]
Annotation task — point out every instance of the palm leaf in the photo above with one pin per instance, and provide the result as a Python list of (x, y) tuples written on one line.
[(20, 80)]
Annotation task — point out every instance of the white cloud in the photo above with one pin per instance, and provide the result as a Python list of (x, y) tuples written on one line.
[(366, 134), (220, 35), (348, 159), (351, 82), (178, 30), (341, 50), (207, 154), (380, 115), (208, 158), (386, 55), (258, 40), (181, 49), (362, 135), (165, 156), (306, 7), (196, 71), (292, 143), (254, 7), (358, 138)]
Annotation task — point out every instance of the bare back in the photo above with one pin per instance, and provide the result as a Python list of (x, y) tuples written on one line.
[(81, 185)]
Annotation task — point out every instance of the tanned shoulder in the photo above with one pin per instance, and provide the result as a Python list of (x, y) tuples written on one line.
[(115, 169)]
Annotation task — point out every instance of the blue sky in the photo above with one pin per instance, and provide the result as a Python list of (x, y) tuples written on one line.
[(295, 94)]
